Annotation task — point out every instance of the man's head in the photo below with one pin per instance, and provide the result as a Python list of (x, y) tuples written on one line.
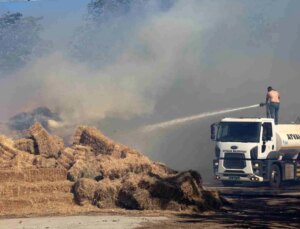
[(270, 88)]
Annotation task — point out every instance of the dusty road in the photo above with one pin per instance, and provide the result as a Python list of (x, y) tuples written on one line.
[(246, 208), (78, 222)]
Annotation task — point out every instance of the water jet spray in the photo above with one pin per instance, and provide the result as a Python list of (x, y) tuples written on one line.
[(178, 121)]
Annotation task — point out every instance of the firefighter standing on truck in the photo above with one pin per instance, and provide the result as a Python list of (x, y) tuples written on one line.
[(273, 104)]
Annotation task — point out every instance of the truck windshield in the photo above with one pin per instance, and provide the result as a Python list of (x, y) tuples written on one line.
[(239, 132)]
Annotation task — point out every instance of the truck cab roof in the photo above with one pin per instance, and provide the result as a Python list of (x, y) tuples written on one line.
[(247, 120)]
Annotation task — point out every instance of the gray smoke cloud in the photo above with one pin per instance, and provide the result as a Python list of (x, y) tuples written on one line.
[(195, 57)]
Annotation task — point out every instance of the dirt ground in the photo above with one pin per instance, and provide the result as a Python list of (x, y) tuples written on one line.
[(241, 211), (78, 222)]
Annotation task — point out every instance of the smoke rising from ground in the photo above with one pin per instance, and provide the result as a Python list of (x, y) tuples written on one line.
[(146, 64), (76, 92), (151, 65)]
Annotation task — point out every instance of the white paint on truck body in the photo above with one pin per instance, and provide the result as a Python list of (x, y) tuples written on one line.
[(288, 137)]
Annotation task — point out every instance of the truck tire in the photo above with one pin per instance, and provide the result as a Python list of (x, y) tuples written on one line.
[(275, 176), (226, 183)]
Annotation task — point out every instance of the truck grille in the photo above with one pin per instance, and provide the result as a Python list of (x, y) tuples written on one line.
[(234, 161)]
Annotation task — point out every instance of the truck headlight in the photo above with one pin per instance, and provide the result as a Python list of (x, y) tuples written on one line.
[(256, 165), (216, 164), (256, 171)]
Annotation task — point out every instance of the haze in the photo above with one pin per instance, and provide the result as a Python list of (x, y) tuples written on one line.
[(153, 63)]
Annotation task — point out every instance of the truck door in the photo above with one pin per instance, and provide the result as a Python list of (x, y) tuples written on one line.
[(268, 140)]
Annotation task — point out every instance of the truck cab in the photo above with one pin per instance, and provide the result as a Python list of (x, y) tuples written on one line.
[(252, 150)]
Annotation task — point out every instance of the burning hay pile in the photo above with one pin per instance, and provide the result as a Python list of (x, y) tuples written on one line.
[(106, 174)]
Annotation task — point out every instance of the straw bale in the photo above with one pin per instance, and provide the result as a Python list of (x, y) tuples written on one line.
[(7, 205), (154, 192), (184, 188), (117, 168), (90, 136), (42, 162), (84, 191), (6, 155), (42, 198), (22, 160), (66, 158), (39, 173), (45, 174), (7, 151), (38, 204), (47, 145), (127, 198), (4, 164), (68, 153), (6, 141), (59, 142), (141, 199), (83, 152), (33, 175), (13, 189), (24, 144), (150, 192), (11, 176), (63, 163), (13, 156), (102, 194), (135, 194), (106, 194), (83, 169)]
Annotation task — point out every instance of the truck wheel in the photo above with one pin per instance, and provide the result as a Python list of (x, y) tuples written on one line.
[(275, 176), (226, 183)]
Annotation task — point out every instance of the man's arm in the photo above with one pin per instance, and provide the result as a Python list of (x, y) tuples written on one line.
[(267, 97)]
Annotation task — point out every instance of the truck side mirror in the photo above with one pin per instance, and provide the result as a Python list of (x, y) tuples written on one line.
[(263, 147), (213, 131)]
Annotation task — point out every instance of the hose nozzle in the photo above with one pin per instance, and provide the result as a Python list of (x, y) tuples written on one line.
[(262, 104)]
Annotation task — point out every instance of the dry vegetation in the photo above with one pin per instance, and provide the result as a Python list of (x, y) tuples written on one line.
[(39, 175)]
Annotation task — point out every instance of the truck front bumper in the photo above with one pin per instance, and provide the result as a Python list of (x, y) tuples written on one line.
[(240, 175), (239, 178)]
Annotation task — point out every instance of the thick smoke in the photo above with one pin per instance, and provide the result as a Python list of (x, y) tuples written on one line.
[(146, 64), (150, 65)]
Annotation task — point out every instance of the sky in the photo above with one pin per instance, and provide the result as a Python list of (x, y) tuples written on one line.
[(196, 57), (42, 6), (57, 14)]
